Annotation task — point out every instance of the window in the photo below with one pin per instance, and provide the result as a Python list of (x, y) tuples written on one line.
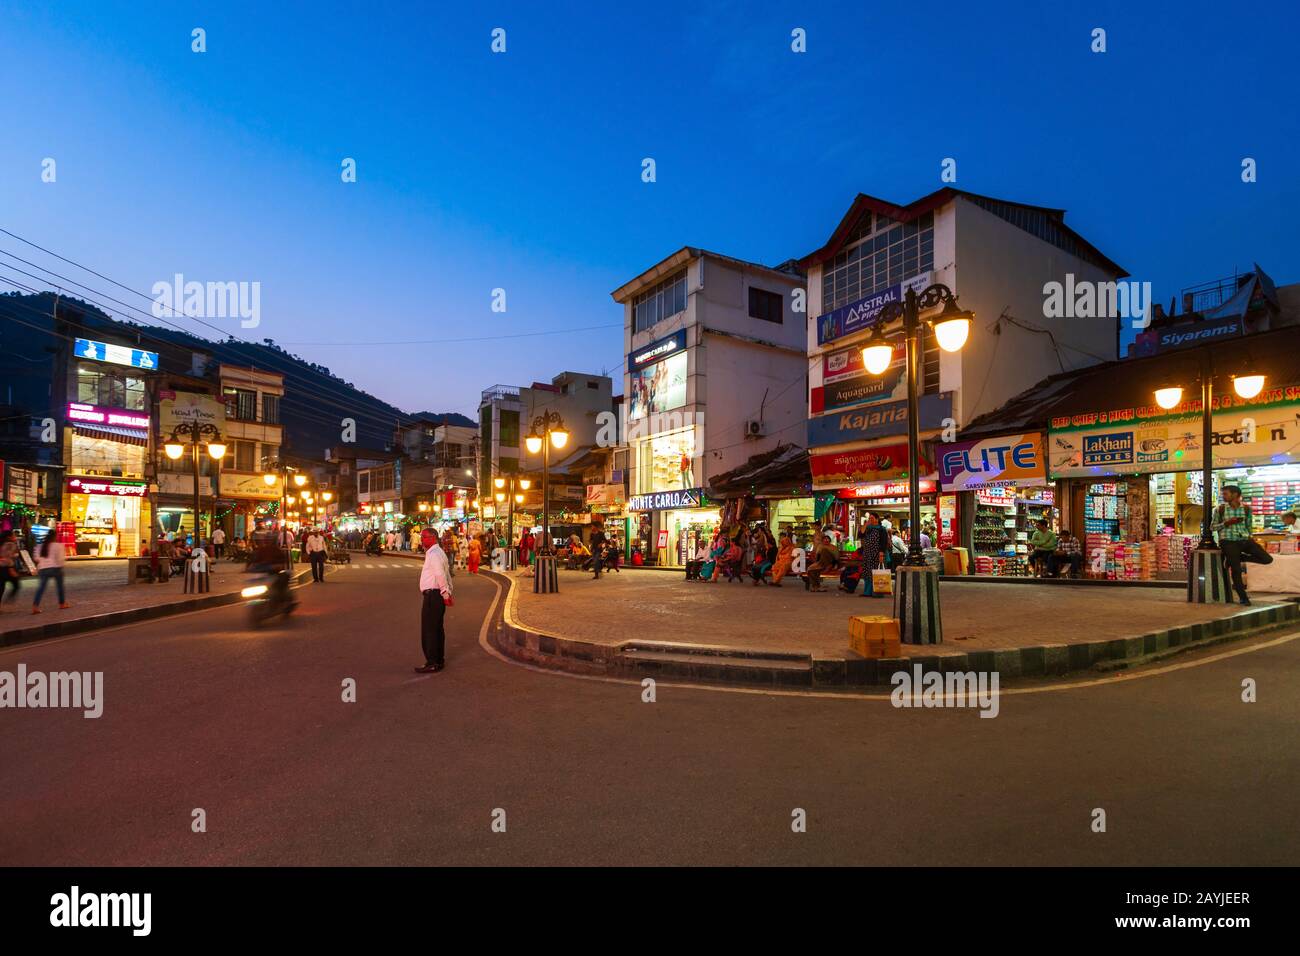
[(271, 409), (659, 302), (509, 429), (270, 455), (96, 386), (768, 306), (241, 404), (363, 482), (879, 258), (245, 455)]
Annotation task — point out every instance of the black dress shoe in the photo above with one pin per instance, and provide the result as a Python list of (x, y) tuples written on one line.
[(426, 669)]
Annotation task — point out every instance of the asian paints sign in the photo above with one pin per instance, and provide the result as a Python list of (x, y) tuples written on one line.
[(992, 462)]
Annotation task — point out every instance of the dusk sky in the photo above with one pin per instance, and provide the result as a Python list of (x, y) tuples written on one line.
[(523, 170)]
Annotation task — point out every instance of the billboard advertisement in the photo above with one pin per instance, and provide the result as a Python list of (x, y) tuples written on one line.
[(657, 387)]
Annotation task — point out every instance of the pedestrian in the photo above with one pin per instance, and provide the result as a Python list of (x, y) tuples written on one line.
[(1042, 545), (1233, 521), (526, 545), (316, 555), (874, 543), (764, 556), (475, 553), (50, 559), (825, 562), (598, 542), (8, 565), (435, 591), (1068, 554), (784, 559), (218, 543), (286, 542)]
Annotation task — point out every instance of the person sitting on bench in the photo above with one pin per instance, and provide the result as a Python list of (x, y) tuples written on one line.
[(1068, 554)]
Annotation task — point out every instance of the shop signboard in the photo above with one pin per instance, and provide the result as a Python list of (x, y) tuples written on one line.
[(117, 354), (1243, 435), (21, 487), (606, 496), (845, 382), (188, 408), (882, 420), (247, 486), (657, 377), (182, 483), (1184, 335), (668, 500), (1006, 460), (95, 415), (889, 489), (118, 487), (837, 469), (863, 313)]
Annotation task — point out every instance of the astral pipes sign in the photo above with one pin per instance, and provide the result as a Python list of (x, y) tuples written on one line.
[(863, 313), (1008, 460)]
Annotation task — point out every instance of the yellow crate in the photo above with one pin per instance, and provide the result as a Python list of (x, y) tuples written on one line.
[(874, 636)]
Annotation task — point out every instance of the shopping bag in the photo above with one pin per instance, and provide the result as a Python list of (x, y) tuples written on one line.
[(882, 581)]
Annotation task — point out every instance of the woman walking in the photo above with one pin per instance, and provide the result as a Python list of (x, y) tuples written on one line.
[(8, 565), (475, 553), (50, 559)]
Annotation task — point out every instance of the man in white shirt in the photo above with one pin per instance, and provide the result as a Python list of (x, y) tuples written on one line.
[(1289, 523), (218, 543), (435, 588), (286, 542), (316, 555)]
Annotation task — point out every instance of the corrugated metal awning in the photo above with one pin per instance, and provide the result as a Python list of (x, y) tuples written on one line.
[(129, 436)]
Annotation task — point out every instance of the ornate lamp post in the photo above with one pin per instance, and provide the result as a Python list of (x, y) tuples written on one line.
[(547, 430), (1207, 578), (284, 474), (517, 485), (175, 447), (916, 585)]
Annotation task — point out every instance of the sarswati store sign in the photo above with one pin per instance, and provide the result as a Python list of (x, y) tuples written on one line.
[(1006, 460)]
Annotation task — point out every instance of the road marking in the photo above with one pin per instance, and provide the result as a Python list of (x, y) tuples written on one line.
[(842, 695)]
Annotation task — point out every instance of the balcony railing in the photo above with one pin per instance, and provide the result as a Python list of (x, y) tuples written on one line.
[(500, 392)]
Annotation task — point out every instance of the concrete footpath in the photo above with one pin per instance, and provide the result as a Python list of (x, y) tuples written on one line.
[(637, 623), (101, 598)]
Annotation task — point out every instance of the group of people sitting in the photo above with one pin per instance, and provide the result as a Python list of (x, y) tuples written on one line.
[(1050, 552), (724, 557)]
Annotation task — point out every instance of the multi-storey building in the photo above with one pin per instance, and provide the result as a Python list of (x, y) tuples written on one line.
[(716, 373)]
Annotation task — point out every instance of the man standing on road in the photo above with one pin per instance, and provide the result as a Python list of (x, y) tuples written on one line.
[(286, 542), (316, 555), (435, 589), (1232, 522), (218, 543)]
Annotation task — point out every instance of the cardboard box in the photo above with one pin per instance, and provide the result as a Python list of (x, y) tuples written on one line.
[(874, 636)]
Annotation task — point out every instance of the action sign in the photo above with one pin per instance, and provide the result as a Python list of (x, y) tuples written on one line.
[(1008, 460)]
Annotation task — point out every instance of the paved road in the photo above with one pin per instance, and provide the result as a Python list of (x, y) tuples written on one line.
[(200, 713)]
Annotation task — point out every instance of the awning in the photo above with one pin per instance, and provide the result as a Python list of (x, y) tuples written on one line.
[(782, 471), (128, 436)]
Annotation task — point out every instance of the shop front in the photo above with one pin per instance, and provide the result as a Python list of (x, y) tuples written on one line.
[(105, 508), (858, 483), (1131, 480), (1002, 482), (670, 525)]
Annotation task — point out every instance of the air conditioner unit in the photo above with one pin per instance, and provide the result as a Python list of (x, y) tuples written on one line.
[(755, 429)]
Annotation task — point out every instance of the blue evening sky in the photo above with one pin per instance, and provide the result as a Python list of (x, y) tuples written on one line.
[(522, 170)]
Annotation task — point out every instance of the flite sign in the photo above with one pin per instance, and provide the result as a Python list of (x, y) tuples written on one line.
[(1009, 460)]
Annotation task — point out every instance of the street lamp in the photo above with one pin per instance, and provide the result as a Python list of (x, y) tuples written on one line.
[(1207, 579), (174, 447), (546, 426), (951, 328), (287, 473)]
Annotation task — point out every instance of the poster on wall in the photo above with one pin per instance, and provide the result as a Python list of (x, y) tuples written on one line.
[(1267, 434), (188, 408), (659, 387)]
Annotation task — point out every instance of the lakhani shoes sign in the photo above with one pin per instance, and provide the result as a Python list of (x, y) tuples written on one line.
[(1131, 442), (667, 500), (992, 462)]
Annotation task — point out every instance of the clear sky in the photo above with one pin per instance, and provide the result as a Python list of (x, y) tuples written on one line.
[(522, 170)]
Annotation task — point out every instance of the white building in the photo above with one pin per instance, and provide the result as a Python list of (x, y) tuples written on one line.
[(996, 256), (716, 373)]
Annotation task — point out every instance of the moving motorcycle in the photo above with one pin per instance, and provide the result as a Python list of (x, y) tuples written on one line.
[(267, 601)]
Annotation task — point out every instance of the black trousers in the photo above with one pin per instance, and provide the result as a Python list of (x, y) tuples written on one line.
[(1235, 552), (433, 638), (1056, 561), (218, 550), (317, 565)]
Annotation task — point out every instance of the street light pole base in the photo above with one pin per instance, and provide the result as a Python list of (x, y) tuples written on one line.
[(1207, 578), (546, 575), (916, 605)]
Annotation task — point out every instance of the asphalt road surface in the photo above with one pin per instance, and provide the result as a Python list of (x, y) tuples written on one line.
[(251, 727)]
